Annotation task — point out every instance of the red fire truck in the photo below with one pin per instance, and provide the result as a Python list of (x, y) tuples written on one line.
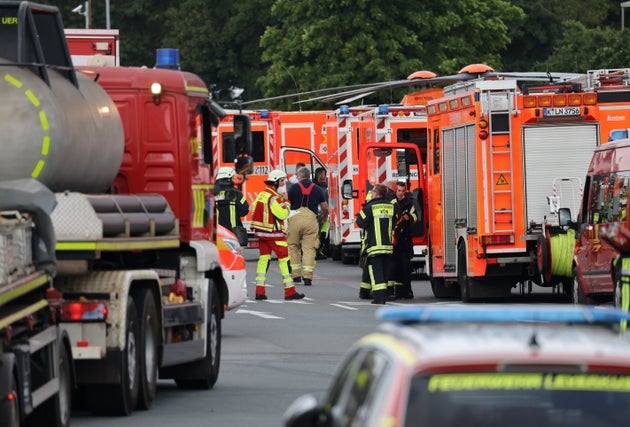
[(95, 47), (497, 156)]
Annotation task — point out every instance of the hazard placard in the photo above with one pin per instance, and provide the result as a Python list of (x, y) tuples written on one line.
[(502, 180)]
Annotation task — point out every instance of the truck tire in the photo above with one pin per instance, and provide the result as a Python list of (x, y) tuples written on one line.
[(577, 295), (122, 398), (462, 274), (203, 374), (56, 410), (335, 252), (149, 329), (347, 257), (13, 419), (440, 290)]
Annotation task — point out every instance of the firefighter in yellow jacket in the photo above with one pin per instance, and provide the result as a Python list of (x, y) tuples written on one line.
[(377, 220), (269, 211)]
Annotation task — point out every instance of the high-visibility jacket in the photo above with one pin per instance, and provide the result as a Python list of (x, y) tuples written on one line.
[(230, 205), (269, 211), (377, 219)]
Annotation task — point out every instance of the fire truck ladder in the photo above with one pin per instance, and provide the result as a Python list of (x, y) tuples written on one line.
[(498, 103)]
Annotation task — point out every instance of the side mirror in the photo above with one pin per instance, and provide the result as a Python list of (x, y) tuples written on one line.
[(244, 164), (382, 152), (303, 412), (346, 190), (564, 217), (242, 135)]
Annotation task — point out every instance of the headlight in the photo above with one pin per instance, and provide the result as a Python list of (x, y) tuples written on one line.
[(233, 245)]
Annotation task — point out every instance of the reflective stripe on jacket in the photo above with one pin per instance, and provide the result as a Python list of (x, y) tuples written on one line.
[(377, 219), (269, 211)]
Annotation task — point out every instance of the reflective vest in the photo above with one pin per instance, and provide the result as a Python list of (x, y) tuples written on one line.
[(269, 212), (377, 220), (230, 205)]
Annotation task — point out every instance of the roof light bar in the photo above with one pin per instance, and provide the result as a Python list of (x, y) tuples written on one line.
[(552, 313)]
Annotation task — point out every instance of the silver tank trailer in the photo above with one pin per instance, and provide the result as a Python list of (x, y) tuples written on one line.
[(66, 138)]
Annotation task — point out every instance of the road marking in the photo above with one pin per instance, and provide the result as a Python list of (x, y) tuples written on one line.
[(262, 314), (344, 306)]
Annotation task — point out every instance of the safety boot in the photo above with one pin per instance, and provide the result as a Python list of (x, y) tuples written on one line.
[(294, 297), (364, 293), (379, 297)]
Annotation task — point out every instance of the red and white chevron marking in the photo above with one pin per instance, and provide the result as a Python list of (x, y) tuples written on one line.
[(381, 135)]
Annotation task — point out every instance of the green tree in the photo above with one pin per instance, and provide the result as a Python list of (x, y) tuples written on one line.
[(533, 39), (339, 42), (581, 49), (219, 43)]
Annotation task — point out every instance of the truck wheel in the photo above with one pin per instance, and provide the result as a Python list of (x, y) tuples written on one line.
[(462, 274), (206, 371), (14, 415), (56, 410), (440, 290), (335, 252), (577, 295), (148, 348), (346, 257), (120, 399)]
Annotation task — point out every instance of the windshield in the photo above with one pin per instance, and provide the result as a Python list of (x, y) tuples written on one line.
[(519, 399)]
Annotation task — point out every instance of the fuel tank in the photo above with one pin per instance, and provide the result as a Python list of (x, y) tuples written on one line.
[(67, 138)]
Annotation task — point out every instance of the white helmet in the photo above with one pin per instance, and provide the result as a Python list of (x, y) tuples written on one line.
[(276, 175), (226, 172)]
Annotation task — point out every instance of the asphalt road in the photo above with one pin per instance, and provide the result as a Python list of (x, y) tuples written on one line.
[(276, 350)]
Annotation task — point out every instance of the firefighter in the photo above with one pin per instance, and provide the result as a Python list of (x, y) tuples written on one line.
[(399, 283), (269, 211), (377, 221), (231, 204), (303, 233)]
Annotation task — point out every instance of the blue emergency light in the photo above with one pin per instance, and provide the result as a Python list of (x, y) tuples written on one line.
[(167, 58), (264, 114), (489, 313), (344, 109), (383, 110)]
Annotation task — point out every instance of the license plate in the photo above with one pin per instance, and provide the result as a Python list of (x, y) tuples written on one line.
[(564, 111)]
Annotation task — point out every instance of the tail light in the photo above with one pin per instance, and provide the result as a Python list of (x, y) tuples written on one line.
[(76, 311), (497, 239)]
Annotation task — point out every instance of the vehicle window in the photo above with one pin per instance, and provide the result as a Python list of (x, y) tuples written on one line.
[(352, 395), (229, 149), (608, 198), (436, 151), (519, 400)]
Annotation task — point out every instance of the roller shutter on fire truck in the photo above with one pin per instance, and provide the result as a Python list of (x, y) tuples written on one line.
[(553, 152), (460, 187)]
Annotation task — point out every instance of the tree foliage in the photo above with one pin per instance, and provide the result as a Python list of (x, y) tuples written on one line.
[(607, 48), (278, 47), (340, 42)]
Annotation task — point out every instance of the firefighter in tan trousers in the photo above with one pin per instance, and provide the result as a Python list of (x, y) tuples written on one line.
[(303, 232)]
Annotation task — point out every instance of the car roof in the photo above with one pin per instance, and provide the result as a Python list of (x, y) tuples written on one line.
[(484, 336)]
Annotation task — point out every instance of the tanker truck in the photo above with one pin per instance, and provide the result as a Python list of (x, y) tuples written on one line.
[(35, 352), (127, 153)]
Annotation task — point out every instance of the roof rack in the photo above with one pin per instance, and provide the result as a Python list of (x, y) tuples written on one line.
[(489, 313)]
